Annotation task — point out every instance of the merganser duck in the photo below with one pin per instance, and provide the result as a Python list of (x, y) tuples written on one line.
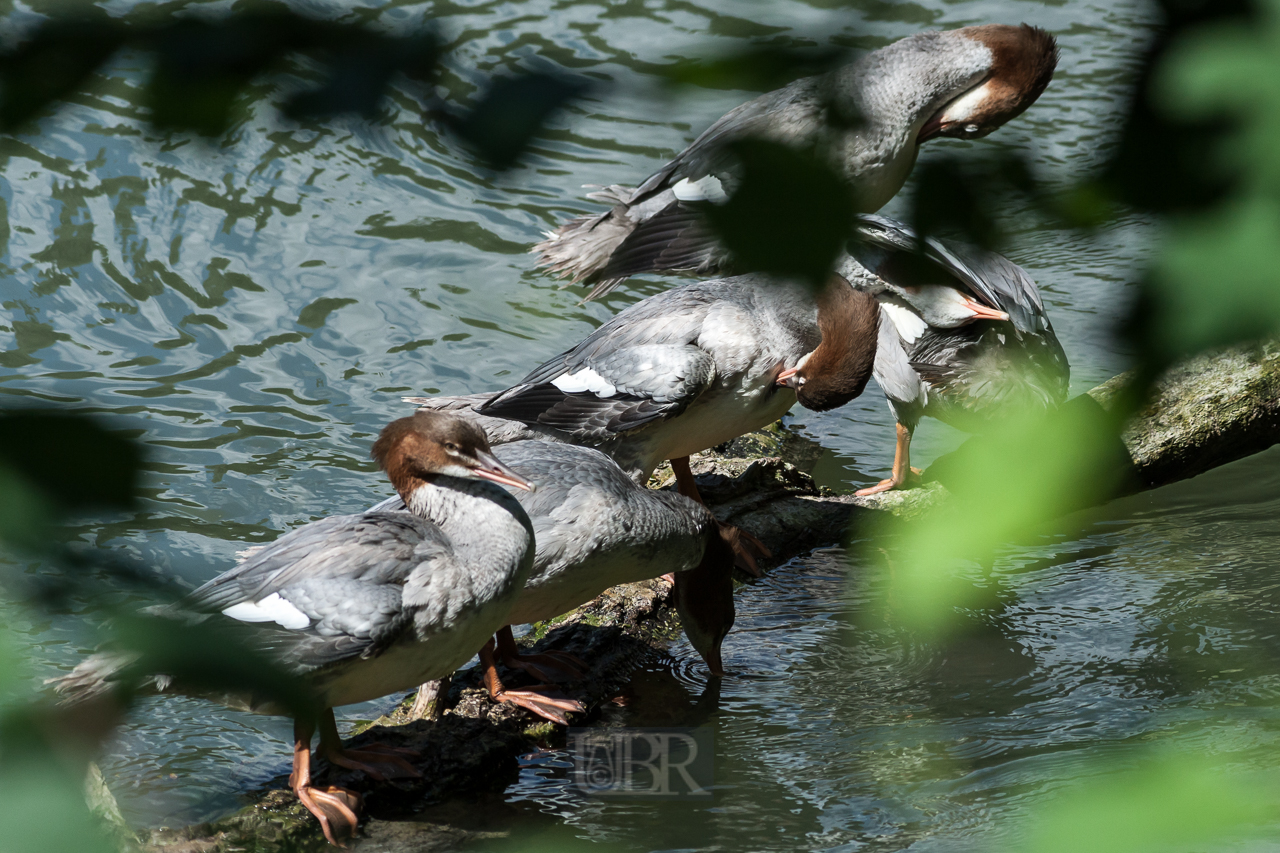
[(963, 335), (690, 368), (365, 605), (960, 83), (596, 528)]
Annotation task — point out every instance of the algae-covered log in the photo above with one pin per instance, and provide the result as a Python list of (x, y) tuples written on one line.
[(1204, 413)]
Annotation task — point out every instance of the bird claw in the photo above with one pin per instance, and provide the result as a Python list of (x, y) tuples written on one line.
[(547, 704), (891, 484), (332, 806)]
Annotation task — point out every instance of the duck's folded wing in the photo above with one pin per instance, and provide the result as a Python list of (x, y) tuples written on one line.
[(893, 252), (329, 590), (1013, 290), (595, 396), (670, 234)]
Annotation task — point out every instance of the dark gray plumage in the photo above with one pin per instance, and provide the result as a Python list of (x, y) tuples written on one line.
[(964, 375), (674, 374)]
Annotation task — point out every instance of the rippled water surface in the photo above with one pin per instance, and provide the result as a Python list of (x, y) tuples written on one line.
[(254, 306)]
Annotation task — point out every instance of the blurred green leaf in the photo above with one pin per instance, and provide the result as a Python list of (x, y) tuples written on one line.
[(51, 64), (790, 214), (26, 511), (1029, 468), (757, 69), (43, 808), (203, 66), (209, 658), (1167, 157), (359, 70), (1182, 801), (513, 110), (71, 458), (951, 200)]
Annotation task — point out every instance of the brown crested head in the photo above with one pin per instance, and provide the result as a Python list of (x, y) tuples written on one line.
[(1023, 59), (838, 369), (417, 449)]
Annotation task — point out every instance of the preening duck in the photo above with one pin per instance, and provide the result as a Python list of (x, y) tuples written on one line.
[(960, 83), (370, 604), (596, 528), (963, 337)]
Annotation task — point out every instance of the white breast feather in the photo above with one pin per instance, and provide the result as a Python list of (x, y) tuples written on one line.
[(909, 324), (703, 189), (585, 379), (273, 608)]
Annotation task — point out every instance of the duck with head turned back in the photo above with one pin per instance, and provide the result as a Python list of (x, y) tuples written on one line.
[(365, 605), (964, 335), (960, 83), (684, 370)]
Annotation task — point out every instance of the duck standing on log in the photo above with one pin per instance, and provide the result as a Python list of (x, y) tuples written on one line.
[(873, 113), (595, 529), (365, 605), (963, 336), (684, 370)]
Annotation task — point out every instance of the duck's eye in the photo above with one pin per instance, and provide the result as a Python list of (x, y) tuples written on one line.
[(801, 380), (450, 446)]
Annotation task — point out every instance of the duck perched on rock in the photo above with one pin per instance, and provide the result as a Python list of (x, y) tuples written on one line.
[(963, 338), (365, 605), (595, 529), (874, 114), (690, 368)]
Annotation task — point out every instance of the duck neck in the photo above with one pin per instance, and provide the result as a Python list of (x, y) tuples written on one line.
[(484, 523), (897, 88), (837, 371)]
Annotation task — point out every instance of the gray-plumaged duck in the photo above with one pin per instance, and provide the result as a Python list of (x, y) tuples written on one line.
[(875, 113), (963, 334), (370, 604), (596, 528), (690, 368)]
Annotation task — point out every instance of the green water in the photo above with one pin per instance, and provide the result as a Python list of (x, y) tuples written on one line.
[(254, 306)]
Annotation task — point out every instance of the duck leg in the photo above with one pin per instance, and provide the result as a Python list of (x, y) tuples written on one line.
[(380, 761), (746, 548), (903, 473), (545, 666), (546, 703), (334, 807)]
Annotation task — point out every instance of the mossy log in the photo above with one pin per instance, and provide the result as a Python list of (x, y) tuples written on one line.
[(1204, 413)]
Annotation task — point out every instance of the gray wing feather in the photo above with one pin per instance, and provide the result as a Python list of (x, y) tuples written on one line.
[(345, 573), (648, 353)]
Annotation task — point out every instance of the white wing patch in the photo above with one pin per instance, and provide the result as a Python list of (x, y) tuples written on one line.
[(585, 379), (703, 189), (273, 608), (908, 323)]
